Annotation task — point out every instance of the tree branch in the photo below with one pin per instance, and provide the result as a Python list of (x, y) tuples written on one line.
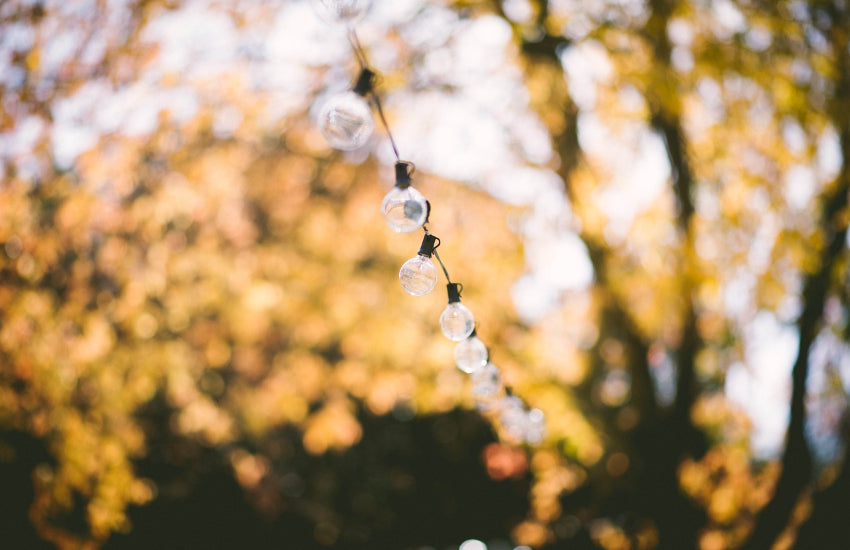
[(665, 120), (826, 528), (669, 126)]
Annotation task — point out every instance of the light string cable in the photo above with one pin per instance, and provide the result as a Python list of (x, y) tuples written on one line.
[(442, 265), (405, 210), (363, 61), (435, 252)]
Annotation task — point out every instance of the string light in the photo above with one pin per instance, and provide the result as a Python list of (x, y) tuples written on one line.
[(486, 381), (471, 354), (535, 427), (342, 11), (418, 276), (456, 321), (346, 121), (513, 416), (404, 208)]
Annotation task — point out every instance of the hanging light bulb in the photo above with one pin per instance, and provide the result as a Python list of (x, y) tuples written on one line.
[(342, 11), (346, 119), (513, 416), (535, 426), (418, 276), (404, 208), (487, 381), (485, 403), (470, 354), (456, 321)]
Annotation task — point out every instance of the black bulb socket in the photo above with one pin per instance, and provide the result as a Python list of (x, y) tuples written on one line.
[(365, 83), (429, 243), (402, 174), (454, 292)]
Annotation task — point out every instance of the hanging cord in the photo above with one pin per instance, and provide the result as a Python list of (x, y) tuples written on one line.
[(445, 272), (437, 255), (404, 170), (384, 123), (357, 48), (360, 53)]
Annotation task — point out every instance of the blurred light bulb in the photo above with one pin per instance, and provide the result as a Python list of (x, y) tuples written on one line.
[(418, 276), (346, 121), (487, 381), (535, 426), (456, 321), (485, 403), (513, 416), (470, 354), (342, 11), (404, 208)]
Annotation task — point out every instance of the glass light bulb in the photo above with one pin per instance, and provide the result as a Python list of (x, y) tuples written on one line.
[(346, 121), (513, 416), (470, 354), (457, 321), (486, 381), (342, 11), (486, 403), (472, 544), (418, 276), (535, 426), (404, 209)]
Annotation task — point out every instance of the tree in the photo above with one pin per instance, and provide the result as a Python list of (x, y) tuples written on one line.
[(198, 297)]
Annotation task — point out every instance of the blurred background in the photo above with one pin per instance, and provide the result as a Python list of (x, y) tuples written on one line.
[(203, 342)]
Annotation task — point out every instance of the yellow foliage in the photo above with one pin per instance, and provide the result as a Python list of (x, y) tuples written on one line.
[(241, 272)]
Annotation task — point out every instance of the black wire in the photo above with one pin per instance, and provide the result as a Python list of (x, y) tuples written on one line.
[(384, 123), (360, 53), (357, 48), (445, 272), (437, 255)]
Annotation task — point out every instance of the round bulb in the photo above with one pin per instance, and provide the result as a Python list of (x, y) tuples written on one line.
[(346, 121), (418, 276), (487, 381), (513, 417), (404, 209), (342, 11), (470, 354), (535, 426), (457, 321), (486, 403)]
